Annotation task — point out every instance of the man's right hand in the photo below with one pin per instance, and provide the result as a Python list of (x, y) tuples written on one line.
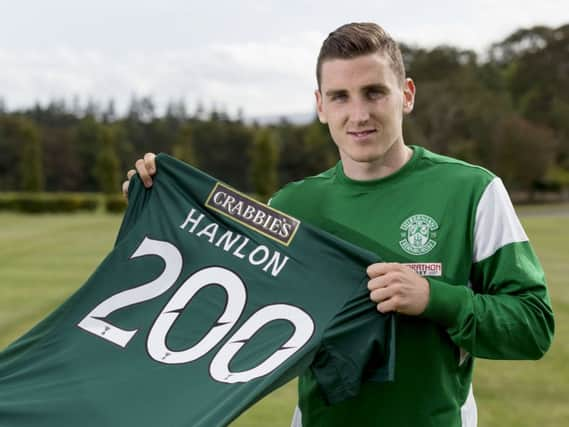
[(146, 168)]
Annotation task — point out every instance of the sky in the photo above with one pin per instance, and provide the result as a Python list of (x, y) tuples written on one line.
[(251, 55)]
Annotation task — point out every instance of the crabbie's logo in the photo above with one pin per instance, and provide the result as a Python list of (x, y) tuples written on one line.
[(426, 268), (418, 233), (252, 214)]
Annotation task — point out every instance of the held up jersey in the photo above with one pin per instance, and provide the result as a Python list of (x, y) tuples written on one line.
[(453, 223), (208, 301)]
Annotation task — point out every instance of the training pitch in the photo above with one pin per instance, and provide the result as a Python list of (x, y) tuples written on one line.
[(44, 258)]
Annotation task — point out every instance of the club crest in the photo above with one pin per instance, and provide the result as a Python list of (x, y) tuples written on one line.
[(418, 234)]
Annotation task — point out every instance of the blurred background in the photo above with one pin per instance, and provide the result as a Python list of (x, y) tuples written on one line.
[(86, 89)]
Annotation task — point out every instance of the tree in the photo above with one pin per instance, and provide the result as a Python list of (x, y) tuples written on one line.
[(107, 164), (21, 159), (264, 160), (535, 63), (291, 151), (88, 138), (177, 110), (10, 154), (183, 148), (559, 116), (64, 170), (523, 153), (304, 150), (141, 109), (222, 148), (109, 115), (320, 153), (32, 158), (439, 63)]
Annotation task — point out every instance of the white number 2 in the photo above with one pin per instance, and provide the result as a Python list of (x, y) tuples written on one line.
[(94, 322), (236, 300)]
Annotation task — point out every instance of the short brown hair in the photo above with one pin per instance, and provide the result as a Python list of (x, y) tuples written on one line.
[(360, 38)]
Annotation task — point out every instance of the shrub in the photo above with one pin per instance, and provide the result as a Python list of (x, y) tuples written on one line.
[(115, 204), (48, 202)]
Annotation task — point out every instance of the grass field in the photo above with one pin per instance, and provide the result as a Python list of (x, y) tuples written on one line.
[(44, 258)]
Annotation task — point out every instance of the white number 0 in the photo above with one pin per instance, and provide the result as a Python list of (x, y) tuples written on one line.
[(236, 300)]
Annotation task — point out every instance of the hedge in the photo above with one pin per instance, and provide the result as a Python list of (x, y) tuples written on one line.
[(115, 204), (49, 202)]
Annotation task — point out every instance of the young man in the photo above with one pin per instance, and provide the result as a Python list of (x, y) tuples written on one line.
[(459, 268)]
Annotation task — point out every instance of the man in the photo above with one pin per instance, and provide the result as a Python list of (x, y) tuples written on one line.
[(460, 271)]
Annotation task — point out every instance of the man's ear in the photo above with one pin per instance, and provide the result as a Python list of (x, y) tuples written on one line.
[(319, 109), (409, 91)]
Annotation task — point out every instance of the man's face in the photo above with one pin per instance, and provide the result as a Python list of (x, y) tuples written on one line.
[(363, 103)]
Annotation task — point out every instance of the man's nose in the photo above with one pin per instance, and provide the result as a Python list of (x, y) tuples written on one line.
[(359, 112)]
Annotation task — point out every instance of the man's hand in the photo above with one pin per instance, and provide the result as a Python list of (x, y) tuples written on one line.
[(396, 287), (146, 168)]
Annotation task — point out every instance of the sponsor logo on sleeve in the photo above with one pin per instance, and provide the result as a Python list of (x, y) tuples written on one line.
[(255, 215)]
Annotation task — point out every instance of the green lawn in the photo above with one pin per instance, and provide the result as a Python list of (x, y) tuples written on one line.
[(44, 258)]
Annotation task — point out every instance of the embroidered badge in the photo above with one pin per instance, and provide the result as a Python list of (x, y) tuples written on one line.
[(418, 234)]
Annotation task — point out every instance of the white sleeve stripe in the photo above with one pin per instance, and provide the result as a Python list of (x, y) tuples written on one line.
[(296, 418), (497, 224), (468, 411)]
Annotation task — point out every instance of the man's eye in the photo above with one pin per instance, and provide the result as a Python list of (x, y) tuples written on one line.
[(339, 97), (375, 94)]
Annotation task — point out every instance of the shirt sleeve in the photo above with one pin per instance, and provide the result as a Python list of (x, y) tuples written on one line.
[(358, 345), (506, 312)]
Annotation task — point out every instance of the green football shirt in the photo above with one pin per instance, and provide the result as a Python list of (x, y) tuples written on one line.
[(453, 223), (208, 301)]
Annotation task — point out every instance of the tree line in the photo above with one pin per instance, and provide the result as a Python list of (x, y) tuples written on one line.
[(507, 110)]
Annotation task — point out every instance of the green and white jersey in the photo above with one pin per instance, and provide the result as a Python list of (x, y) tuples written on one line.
[(208, 302), (453, 223)]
